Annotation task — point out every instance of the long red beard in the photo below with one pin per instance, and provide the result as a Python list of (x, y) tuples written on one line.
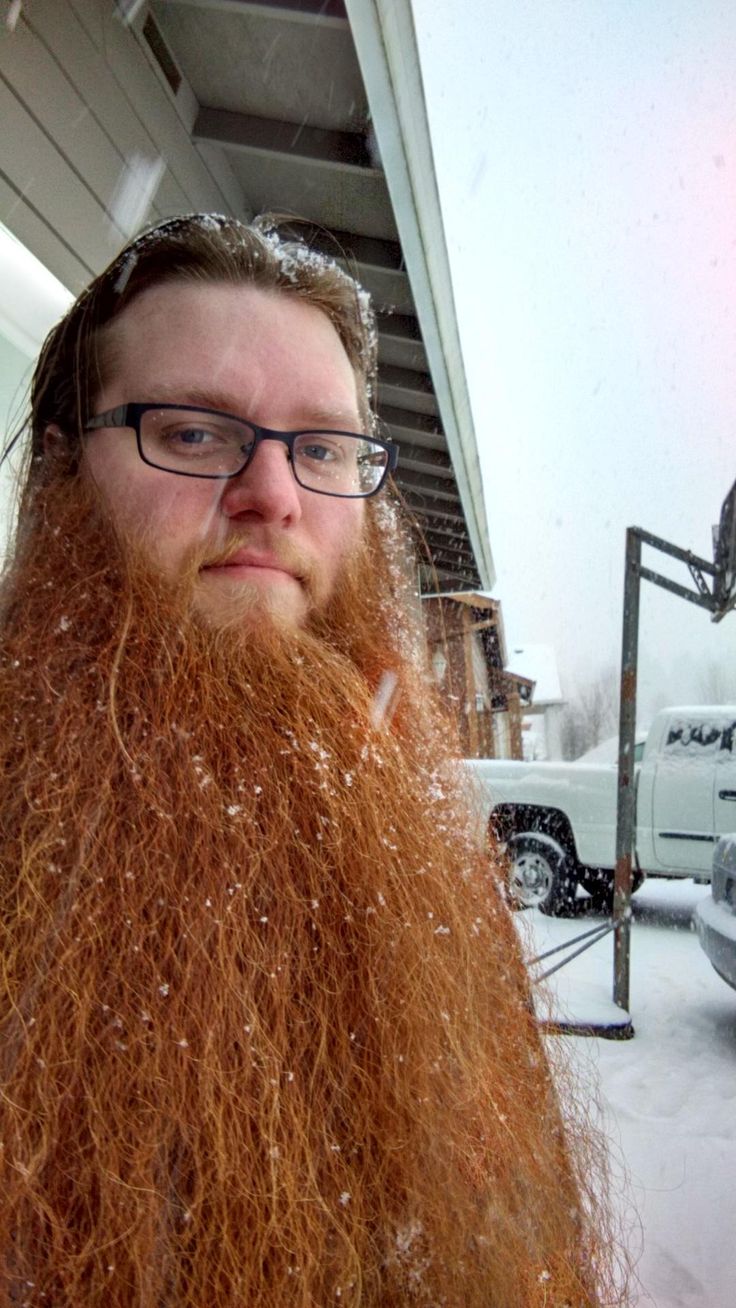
[(265, 1036)]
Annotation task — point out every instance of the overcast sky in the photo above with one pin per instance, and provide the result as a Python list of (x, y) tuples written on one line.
[(586, 155)]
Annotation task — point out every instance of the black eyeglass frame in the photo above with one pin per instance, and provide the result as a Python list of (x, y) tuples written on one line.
[(129, 415)]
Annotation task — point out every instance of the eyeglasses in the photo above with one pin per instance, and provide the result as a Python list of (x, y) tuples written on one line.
[(194, 442)]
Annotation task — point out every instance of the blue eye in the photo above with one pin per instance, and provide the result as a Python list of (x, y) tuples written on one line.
[(319, 453), (191, 436), (201, 439)]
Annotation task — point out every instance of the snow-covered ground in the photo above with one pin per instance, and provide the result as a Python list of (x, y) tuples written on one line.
[(669, 1094)]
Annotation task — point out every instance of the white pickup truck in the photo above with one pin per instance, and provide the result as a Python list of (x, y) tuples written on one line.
[(558, 820)]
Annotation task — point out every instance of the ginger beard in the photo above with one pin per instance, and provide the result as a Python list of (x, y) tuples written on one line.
[(265, 1036)]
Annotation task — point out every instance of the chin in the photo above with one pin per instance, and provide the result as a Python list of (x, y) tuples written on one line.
[(251, 609)]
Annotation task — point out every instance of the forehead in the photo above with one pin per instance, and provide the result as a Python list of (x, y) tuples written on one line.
[(250, 346)]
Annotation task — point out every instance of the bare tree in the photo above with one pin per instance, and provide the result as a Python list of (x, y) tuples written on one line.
[(717, 684), (591, 715)]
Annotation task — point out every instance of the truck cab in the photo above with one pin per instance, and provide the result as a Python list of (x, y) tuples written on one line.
[(686, 790)]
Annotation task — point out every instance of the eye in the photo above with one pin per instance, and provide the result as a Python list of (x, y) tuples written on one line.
[(317, 450), (206, 443), (192, 436), (320, 453)]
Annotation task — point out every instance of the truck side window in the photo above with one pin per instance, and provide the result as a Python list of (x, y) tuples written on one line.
[(683, 735), (727, 737)]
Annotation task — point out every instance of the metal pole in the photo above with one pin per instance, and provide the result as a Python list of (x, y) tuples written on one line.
[(626, 807)]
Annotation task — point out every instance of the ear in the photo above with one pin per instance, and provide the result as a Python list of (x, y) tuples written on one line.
[(54, 441), (58, 452)]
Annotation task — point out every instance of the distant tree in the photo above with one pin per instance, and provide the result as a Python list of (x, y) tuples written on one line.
[(572, 732), (591, 715), (717, 684), (658, 700)]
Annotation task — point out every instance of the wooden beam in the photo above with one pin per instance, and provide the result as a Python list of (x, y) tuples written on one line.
[(442, 488), (420, 425), (291, 140), (420, 459), (471, 716), (427, 508), (448, 544), (464, 563), (443, 574), (454, 537), (368, 251), (329, 13), (406, 379), (398, 324)]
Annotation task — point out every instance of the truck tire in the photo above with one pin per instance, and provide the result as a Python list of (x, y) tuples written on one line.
[(599, 884), (541, 874)]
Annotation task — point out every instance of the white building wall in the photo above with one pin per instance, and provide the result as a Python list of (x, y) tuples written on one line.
[(94, 143), (553, 732)]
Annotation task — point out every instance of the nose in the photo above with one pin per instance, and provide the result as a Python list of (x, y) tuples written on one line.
[(266, 490)]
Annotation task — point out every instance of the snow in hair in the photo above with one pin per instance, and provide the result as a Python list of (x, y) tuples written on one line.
[(293, 256)]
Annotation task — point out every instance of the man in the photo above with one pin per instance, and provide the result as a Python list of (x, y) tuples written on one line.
[(266, 1036)]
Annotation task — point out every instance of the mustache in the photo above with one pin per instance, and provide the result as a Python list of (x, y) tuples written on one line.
[(273, 548)]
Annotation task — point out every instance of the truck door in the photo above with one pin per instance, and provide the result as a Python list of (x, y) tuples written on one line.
[(724, 783), (683, 819)]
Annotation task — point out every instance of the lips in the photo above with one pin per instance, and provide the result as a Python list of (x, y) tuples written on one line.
[(250, 559)]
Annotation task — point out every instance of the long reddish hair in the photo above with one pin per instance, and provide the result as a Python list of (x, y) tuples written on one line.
[(266, 1036)]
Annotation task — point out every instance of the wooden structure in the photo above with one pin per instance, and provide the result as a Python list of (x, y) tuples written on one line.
[(468, 656)]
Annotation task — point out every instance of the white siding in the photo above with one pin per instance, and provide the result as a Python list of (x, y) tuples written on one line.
[(86, 117)]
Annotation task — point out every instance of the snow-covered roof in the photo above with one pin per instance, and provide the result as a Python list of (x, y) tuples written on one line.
[(606, 751), (539, 664)]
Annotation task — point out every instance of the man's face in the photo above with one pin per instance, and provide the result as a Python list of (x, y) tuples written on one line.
[(260, 355)]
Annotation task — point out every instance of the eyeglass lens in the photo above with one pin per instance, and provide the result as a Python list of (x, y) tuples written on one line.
[(209, 444)]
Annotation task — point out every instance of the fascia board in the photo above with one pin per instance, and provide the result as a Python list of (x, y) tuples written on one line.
[(385, 41)]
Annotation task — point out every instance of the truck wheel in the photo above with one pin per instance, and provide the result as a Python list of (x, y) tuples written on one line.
[(540, 875), (599, 884)]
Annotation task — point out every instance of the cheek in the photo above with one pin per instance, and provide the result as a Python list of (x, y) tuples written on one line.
[(174, 518), (336, 532), (168, 515)]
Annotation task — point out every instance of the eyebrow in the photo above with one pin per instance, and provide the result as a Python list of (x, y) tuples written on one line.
[(204, 398)]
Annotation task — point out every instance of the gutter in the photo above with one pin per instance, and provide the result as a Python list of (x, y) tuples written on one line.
[(385, 41)]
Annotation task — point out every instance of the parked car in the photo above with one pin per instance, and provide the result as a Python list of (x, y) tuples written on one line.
[(558, 820), (715, 918)]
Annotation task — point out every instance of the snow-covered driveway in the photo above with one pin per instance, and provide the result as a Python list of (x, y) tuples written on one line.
[(669, 1095)]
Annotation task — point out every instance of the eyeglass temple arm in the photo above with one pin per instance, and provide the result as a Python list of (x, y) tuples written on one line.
[(113, 418)]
